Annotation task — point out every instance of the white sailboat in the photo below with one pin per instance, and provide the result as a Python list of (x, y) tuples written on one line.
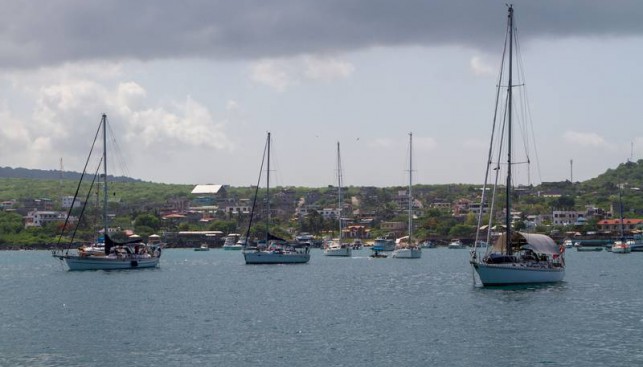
[(514, 257), (131, 254), (405, 247), (621, 246), (276, 250), (335, 247)]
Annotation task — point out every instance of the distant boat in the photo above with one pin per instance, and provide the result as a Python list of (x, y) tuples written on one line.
[(357, 244), (231, 242), (384, 243), (203, 247), (427, 244), (130, 254), (456, 244), (515, 257), (636, 243), (405, 247), (337, 247), (275, 250), (590, 248), (568, 243)]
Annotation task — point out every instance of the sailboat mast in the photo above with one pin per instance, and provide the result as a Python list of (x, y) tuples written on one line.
[(339, 193), (106, 225), (410, 187), (509, 105), (268, 190), (620, 201)]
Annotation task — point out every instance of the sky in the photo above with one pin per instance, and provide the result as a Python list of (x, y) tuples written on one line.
[(191, 88)]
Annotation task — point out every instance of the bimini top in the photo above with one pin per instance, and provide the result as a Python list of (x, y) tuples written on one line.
[(538, 243)]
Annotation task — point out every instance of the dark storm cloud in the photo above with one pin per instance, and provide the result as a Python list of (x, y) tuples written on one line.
[(36, 33)]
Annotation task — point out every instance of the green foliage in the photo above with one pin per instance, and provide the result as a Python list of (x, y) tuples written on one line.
[(147, 220), (462, 230), (10, 223)]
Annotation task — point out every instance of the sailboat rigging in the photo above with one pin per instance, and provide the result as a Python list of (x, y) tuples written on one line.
[(110, 255), (274, 250), (336, 247), (406, 248), (621, 246), (515, 257)]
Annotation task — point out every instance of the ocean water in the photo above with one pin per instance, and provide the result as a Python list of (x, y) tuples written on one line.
[(210, 309)]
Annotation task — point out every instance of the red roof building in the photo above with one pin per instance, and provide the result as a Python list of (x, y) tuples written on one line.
[(614, 225)]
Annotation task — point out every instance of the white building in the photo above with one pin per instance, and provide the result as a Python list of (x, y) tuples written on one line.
[(564, 217), (68, 200), (329, 213), (38, 218)]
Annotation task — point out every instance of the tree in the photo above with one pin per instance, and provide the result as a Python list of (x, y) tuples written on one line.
[(564, 202), (147, 220), (461, 230)]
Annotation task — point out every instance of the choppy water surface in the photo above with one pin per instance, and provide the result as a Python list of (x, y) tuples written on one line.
[(209, 308)]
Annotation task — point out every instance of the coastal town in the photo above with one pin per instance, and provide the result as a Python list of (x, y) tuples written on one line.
[(207, 213)]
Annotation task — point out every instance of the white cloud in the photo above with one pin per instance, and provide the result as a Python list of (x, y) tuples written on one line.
[(273, 73), (479, 67), (190, 124), (326, 68), (65, 110), (283, 73), (585, 139)]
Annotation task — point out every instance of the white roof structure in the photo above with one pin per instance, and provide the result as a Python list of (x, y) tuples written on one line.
[(206, 189)]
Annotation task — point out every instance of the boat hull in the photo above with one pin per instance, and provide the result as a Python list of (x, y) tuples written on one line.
[(621, 249), (589, 248), (344, 251), (384, 245), (107, 263), (233, 247), (407, 253), (512, 274), (266, 257)]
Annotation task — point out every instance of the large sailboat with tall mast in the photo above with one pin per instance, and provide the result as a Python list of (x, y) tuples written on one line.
[(621, 246), (335, 247), (514, 257), (273, 250), (131, 254), (406, 247)]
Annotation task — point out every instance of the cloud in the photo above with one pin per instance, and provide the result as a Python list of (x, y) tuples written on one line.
[(189, 124), (54, 33), (327, 68), (479, 68), (283, 73), (382, 143), (273, 73), (65, 109), (585, 139)]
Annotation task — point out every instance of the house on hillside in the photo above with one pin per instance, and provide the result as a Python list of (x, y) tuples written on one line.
[(207, 195), (614, 225), (39, 218)]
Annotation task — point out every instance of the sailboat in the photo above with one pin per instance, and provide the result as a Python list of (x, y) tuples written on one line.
[(336, 247), (621, 246), (405, 248), (515, 257), (275, 250), (131, 254)]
